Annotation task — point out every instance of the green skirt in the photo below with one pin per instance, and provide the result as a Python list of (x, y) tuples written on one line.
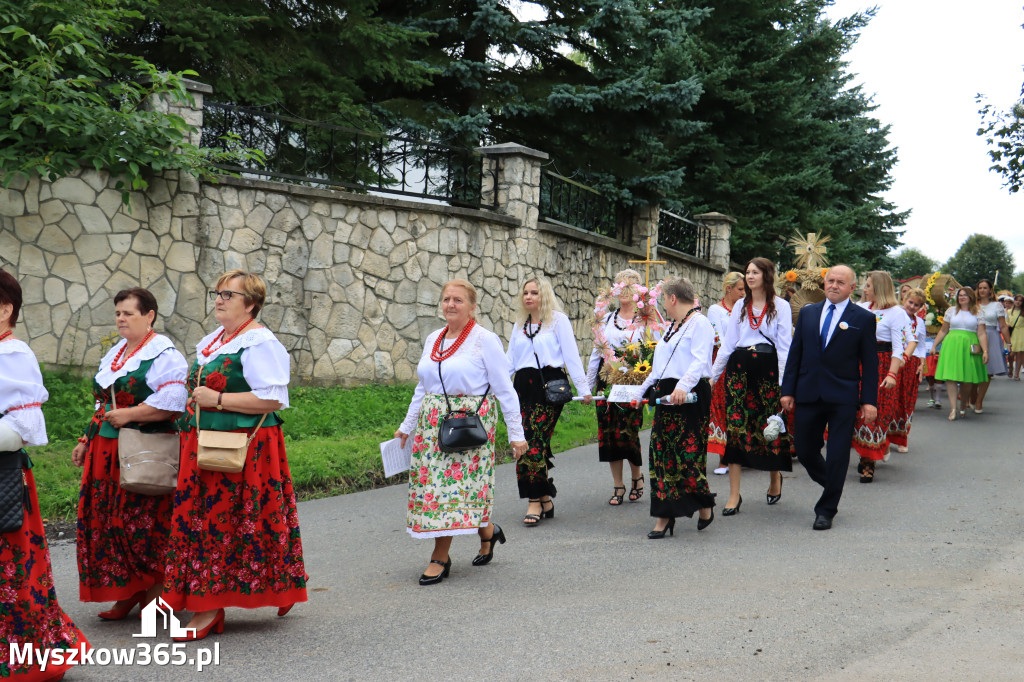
[(956, 362)]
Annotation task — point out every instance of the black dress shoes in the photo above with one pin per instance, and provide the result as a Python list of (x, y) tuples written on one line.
[(822, 522)]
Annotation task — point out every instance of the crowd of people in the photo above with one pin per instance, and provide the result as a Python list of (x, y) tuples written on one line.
[(220, 530)]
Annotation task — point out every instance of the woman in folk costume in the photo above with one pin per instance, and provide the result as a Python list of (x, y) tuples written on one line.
[(122, 535), (618, 425), (718, 314), (28, 600), (910, 375), (678, 453), (542, 347), (463, 368), (235, 538), (751, 362), (892, 326)]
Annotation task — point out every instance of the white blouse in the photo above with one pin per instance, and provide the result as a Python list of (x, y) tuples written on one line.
[(480, 361), (616, 338), (555, 345), (739, 334), (686, 356), (921, 334), (962, 320), (166, 376), (718, 316), (266, 364), (21, 383), (991, 312), (892, 325)]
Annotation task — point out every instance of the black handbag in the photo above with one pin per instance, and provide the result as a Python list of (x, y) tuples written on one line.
[(14, 499), (461, 430), (556, 391)]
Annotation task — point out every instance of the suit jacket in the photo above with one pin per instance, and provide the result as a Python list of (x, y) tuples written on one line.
[(849, 361)]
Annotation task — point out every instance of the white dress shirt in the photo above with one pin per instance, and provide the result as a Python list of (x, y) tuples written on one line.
[(555, 345), (836, 316), (686, 356)]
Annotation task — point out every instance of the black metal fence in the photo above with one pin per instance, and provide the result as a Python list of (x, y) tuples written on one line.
[(567, 202), (684, 235), (334, 156)]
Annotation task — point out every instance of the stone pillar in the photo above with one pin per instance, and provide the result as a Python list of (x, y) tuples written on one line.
[(645, 224), (721, 230), (518, 181), (192, 111)]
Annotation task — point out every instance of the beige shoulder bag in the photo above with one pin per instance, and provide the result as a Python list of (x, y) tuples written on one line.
[(223, 451), (149, 461)]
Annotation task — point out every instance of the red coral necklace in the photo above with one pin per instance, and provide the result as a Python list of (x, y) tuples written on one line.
[(117, 363), (755, 320), (727, 308), (223, 342), (3, 337), (437, 355)]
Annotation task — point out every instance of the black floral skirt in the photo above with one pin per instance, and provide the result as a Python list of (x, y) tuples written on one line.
[(539, 419), (751, 396), (678, 454), (618, 431)]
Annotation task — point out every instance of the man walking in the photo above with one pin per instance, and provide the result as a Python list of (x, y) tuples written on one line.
[(832, 371)]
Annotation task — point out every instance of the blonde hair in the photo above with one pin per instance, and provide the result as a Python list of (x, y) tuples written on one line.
[(548, 304), (882, 290), (916, 293), (470, 294), (628, 276), (253, 288), (730, 281)]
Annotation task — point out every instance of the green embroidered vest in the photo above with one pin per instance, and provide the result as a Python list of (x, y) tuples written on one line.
[(129, 391), (223, 373)]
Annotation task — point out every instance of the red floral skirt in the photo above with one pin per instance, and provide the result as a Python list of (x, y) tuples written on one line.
[(872, 440), (907, 386), (716, 425), (235, 537), (122, 536), (29, 612)]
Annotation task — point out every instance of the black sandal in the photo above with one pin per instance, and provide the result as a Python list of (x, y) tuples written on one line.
[(532, 520), (616, 498), (636, 493)]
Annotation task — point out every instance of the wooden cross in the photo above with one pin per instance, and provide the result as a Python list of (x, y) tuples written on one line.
[(648, 263)]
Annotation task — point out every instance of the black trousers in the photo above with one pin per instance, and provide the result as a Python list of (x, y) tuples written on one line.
[(810, 422)]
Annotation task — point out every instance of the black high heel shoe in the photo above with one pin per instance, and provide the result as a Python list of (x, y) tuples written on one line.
[(550, 513), (497, 536), (659, 534), (435, 579), (704, 523), (729, 511), (772, 499)]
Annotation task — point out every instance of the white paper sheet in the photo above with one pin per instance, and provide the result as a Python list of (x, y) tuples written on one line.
[(396, 458), (623, 393)]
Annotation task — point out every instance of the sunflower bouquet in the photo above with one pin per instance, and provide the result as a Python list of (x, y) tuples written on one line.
[(630, 363)]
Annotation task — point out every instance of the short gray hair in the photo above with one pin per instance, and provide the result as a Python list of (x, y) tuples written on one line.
[(681, 288)]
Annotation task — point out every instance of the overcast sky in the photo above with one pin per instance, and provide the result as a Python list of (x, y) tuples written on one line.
[(925, 62)]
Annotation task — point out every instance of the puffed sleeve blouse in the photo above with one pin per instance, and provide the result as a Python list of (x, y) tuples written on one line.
[(739, 334), (21, 392), (686, 356), (165, 377), (480, 361), (892, 325), (555, 345), (266, 364)]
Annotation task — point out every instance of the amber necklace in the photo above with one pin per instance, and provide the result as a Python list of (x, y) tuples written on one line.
[(437, 355), (209, 349), (117, 363)]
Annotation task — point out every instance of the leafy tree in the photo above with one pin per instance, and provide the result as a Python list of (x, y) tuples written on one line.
[(1004, 133), (978, 257), (73, 101), (910, 262)]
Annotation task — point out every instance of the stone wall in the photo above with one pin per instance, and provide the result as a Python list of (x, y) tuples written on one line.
[(353, 280)]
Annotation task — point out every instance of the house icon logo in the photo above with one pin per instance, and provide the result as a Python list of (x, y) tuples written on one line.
[(158, 608)]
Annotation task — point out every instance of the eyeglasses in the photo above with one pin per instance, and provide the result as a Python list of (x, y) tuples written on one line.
[(226, 294)]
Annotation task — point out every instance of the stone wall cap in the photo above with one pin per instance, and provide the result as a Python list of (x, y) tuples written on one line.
[(196, 86), (714, 215), (513, 148)]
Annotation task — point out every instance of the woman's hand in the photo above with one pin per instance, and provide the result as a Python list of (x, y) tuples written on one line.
[(401, 437), (678, 397), (588, 399), (518, 448), (78, 454), (889, 382), (984, 357), (119, 417), (206, 397)]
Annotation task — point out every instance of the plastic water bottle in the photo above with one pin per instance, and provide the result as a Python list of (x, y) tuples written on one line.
[(691, 398)]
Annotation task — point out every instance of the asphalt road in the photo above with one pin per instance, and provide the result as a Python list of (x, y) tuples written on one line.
[(921, 577)]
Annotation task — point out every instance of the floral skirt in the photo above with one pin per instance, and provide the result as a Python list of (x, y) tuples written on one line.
[(871, 441), (909, 383), (678, 454), (752, 395), (539, 421), (450, 493), (235, 537), (29, 612), (122, 536), (716, 424)]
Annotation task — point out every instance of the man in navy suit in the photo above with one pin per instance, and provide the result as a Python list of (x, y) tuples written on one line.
[(832, 371)]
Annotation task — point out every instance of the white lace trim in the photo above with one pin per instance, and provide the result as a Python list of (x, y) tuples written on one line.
[(172, 398), (14, 346), (278, 393), (106, 376), (29, 424), (253, 337)]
